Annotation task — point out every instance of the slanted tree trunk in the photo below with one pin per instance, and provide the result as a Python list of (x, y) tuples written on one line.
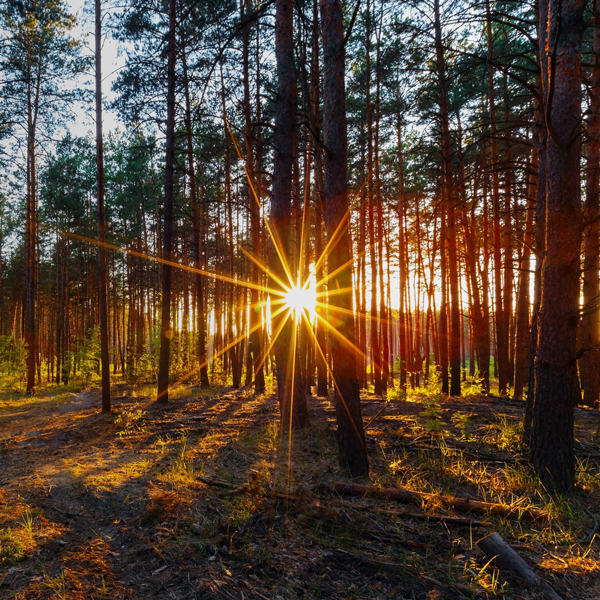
[(552, 434), (165, 326), (102, 277), (290, 388), (351, 440)]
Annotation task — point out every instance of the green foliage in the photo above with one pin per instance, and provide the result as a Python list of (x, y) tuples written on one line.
[(13, 356), (132, 420), (12, 548), (86, 358), (396, 394), (461, 422), (218, 375), (433, 417)]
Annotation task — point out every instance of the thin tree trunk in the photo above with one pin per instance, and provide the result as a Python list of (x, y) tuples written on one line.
[(198, 278), (523, 300), (165, 328), (589, 364), (102, 277)]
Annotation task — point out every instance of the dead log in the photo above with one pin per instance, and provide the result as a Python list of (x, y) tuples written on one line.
[(462, 504), (504, 557)]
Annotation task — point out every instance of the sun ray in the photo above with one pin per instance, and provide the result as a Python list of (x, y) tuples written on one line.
[(341, 336), (276, 242), (337, 230), (259, 264), (314, 337), (292, 384), (265, 353), (327, 277), (239, 282), (347, 311), (332, 239), (216, 355)]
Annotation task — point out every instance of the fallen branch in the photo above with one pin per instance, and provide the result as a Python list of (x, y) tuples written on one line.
[(215, 482), (404, 514), (373, 419), (479, 456), (496, 549), (464, 504)]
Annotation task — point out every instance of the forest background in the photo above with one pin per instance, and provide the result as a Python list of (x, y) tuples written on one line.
[(404, 178)]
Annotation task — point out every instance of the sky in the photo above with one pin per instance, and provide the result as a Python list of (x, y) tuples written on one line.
[(111, 64)]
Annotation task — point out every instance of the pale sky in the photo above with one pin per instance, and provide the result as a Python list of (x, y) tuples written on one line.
[(111, 64)]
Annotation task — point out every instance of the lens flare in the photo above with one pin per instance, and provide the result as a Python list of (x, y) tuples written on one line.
[(300, 298)]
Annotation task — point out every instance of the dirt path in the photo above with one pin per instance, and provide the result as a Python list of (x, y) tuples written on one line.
[(95, 506)]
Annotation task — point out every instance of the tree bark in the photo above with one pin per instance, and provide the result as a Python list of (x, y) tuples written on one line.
[(552, 434), (351, 441), (102, 277), (166, 333), (589, 364), (197, 241), (290, 388)]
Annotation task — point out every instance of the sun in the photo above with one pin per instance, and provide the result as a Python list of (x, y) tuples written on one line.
[(300, 298)]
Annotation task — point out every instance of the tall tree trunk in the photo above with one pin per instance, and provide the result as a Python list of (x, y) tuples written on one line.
[(589, 364), (499, 320), (351, 439), (102, 277), (255, 342), (401, 260), (448, 195), (552, 434), (165, 326), (478, 322), (523, 300), (198, 278), (322, 390), (375, 351), (31, 235), (290, 388)]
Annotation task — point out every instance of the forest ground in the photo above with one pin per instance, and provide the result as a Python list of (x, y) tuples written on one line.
[(95, 506)]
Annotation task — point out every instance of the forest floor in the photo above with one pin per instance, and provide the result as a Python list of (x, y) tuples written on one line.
[(95, 506)]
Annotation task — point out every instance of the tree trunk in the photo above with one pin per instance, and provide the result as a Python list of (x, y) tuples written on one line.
[(255, 345), (523, 300), (552, 434), (290, 388), (499, 320), (351, 440), (322, 390), (166, 332), (102, 277), (198, 278), (589, 364)]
